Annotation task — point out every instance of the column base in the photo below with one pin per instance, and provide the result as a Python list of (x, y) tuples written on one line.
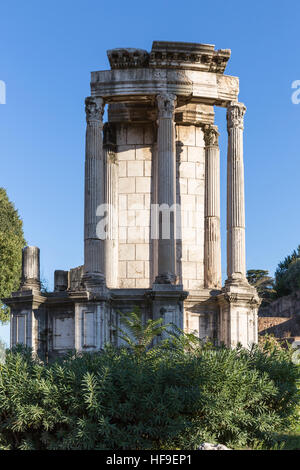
[(31, 284), (239, 303), (94, 282), (166, 278), (237, 279)]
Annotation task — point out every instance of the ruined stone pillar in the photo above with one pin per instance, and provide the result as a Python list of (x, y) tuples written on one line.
[(61, 280), (94, 193), (30, 268), (212, 237), (166, 183), (26, 319), (236, 258)]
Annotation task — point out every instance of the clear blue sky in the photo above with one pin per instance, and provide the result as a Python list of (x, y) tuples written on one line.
[(48, 50)]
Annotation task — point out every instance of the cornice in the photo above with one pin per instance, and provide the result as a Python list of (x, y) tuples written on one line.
[(171, 55)]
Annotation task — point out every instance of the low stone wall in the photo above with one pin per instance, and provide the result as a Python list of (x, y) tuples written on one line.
[(281, 317)]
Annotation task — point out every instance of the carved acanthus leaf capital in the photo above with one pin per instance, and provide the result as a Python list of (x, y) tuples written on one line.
[(166, 103), (235, 115), (211, 135), (94, 108)]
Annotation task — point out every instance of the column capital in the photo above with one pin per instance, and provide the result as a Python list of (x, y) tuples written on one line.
[(235, 115), (166, 103), (94, 109), (211, 135)]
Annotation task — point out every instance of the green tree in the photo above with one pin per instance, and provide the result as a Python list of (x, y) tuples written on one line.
[(292, 276), (264, 284), (11, 243), (285, 284)]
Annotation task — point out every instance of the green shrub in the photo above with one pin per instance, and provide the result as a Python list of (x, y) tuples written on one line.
[(173, 396), (287, 277)]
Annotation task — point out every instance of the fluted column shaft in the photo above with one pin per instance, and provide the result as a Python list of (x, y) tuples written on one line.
[(166, 176), (30, 267), (236, 256), (111, 199), (212, 237), (94, 190)]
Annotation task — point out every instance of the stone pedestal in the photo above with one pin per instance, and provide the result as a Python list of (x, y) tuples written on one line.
[(92, 326), (238, 322), (27, 321), (27, 304), (167, 303)]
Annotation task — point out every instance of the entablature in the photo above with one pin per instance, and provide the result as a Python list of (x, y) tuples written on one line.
[(143, 84)]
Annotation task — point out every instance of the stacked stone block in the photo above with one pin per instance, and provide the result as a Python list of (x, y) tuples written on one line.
[(190, 197), (134, 155)]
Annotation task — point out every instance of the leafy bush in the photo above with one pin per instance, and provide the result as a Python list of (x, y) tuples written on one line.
[(138, 334), (287, 274), (292, 276), (173, 396)]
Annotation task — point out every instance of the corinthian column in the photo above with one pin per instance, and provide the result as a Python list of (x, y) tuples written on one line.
[(166, 183), (236, 258), (212, 238), (94, 192)]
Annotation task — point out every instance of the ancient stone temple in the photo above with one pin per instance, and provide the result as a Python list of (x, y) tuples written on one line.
[(152, 209)]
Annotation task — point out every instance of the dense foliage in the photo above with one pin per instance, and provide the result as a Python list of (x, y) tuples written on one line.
[(139, 334), (287, 275), (173, 396), (287, 279), (11, 244)]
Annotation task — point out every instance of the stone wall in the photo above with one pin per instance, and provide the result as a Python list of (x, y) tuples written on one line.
[(190, 196), (282, 317), (134, 155)]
